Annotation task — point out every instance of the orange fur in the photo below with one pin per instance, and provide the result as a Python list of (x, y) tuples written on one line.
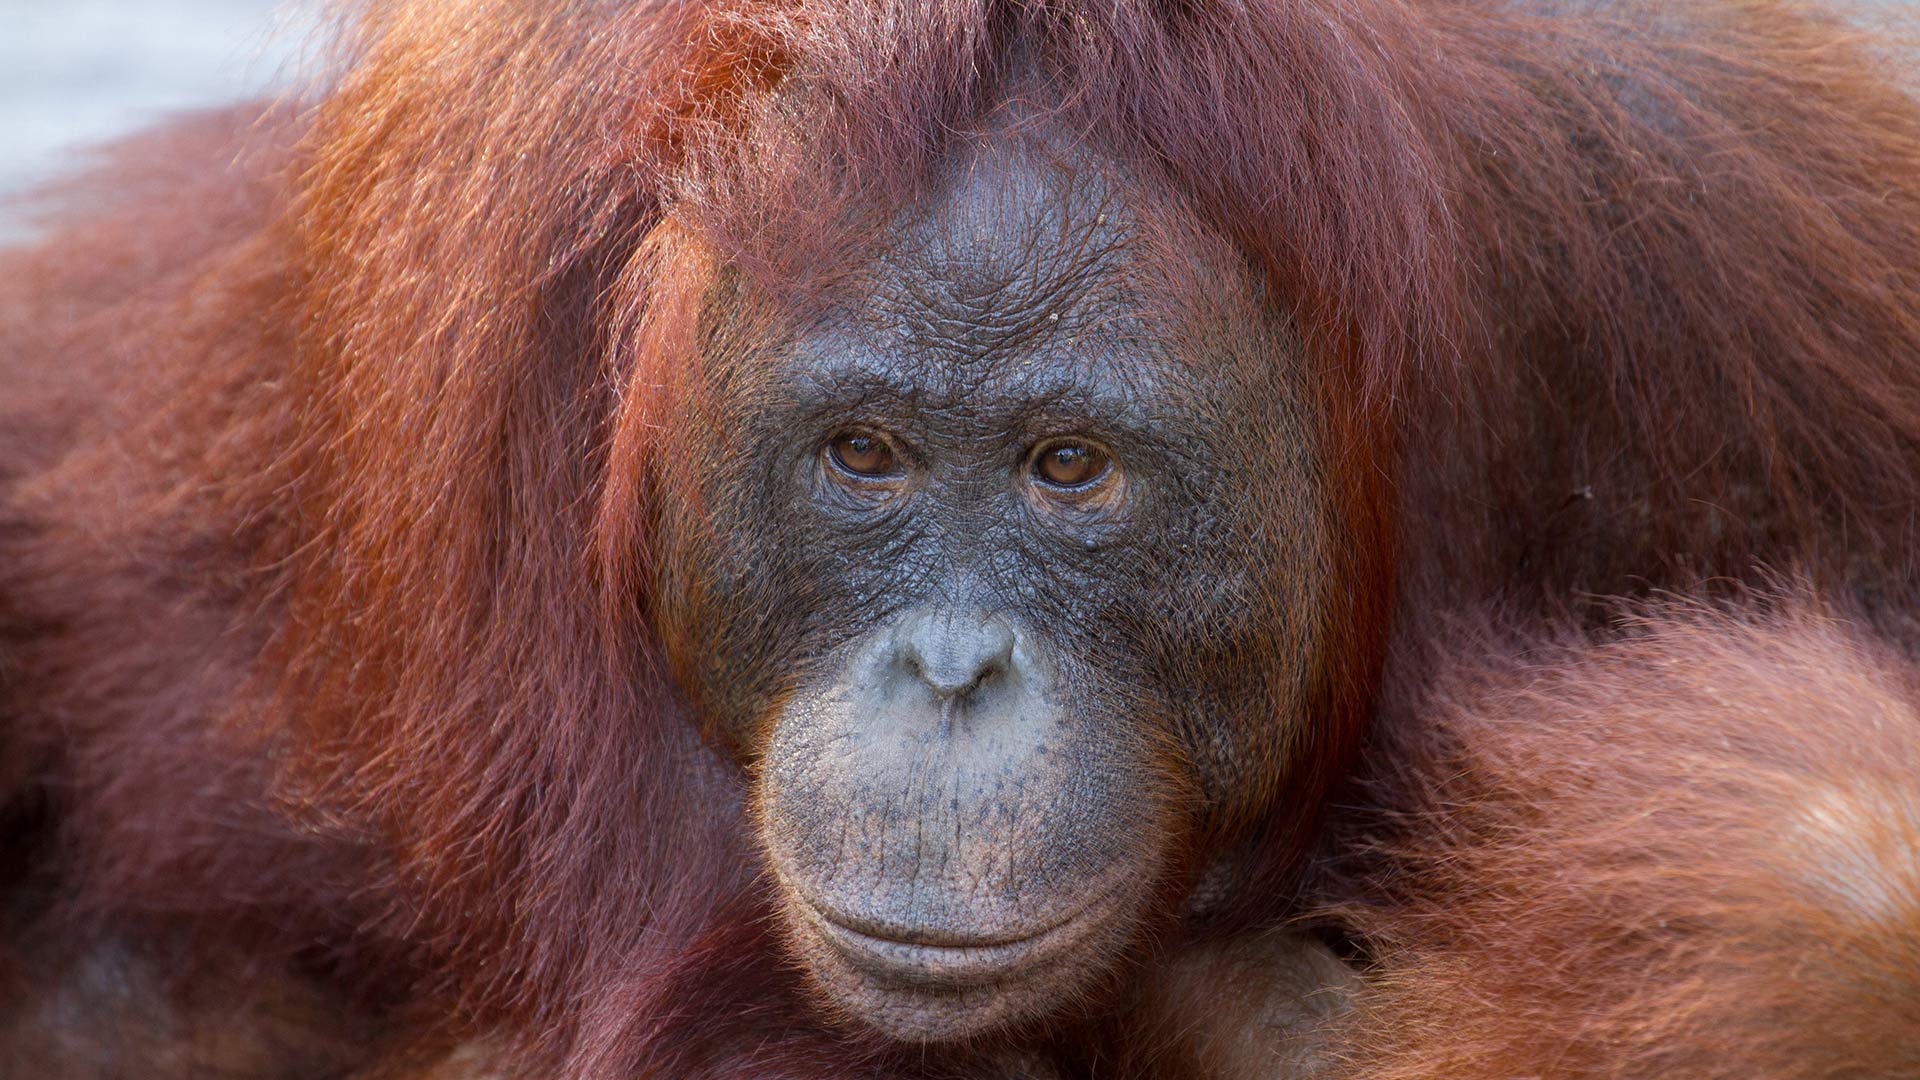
[(1691, 850), (323, 431)]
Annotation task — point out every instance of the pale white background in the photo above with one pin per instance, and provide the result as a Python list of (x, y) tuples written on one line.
[(75, 72)]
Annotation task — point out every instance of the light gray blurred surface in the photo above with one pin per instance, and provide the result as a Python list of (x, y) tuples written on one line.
[(77, 72)]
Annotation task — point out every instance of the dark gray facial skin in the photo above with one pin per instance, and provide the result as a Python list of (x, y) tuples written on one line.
[(989, 716)]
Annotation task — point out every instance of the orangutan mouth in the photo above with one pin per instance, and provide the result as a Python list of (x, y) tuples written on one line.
[(936, 960)]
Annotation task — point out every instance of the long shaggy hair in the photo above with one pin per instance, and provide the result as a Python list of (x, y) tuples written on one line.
[(322, 518)]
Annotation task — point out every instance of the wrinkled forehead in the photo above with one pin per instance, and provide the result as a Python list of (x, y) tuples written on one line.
[(1013, 229), (1019, 261), (1023, 266)]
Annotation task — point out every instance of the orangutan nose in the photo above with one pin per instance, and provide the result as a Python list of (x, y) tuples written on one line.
[(955, 653)]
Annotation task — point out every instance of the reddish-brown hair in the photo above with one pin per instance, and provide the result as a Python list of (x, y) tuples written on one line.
[(1693, 850), (322, 473)]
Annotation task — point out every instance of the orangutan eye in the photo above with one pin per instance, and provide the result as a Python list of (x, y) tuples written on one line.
[(862, 454), (1070, 465)]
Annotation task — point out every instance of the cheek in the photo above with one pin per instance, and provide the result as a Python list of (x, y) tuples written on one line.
[(747, 597), (1234, 640)]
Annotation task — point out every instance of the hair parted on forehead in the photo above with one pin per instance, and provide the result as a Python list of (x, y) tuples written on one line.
[(772, 128), (822, 118)]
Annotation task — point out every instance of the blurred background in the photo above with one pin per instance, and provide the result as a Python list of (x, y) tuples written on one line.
[(76, 72)]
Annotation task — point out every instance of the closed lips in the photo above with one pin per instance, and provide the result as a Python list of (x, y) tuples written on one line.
[(949, 961)]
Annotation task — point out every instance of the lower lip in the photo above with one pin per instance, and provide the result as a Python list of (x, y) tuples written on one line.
[(947, 967)]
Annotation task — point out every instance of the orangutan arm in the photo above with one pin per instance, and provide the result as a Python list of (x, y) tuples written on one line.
[(1691, 851)]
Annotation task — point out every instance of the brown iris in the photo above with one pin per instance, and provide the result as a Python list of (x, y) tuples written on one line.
[(1070, 464), (862, 454)]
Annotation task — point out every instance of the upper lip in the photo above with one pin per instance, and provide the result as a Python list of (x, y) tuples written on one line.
[(946, 959)]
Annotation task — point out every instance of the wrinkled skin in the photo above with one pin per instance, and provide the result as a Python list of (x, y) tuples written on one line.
[(1020, 704)]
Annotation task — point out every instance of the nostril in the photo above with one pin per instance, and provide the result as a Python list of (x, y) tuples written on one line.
[(961, 685)]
